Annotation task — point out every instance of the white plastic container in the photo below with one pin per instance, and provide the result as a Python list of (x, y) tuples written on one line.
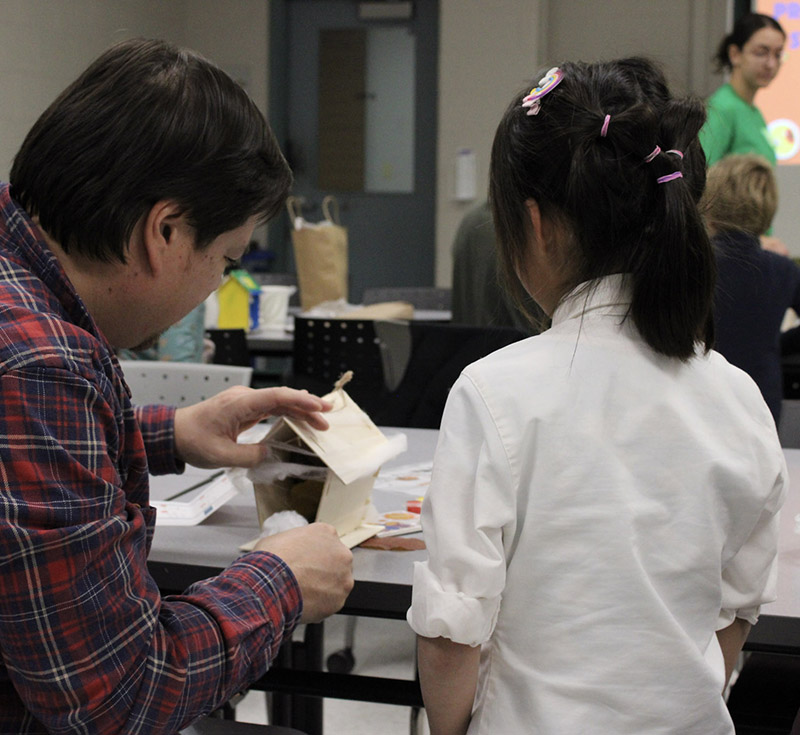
[(273, 306)]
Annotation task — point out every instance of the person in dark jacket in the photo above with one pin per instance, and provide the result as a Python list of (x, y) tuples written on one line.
[(755, 286)]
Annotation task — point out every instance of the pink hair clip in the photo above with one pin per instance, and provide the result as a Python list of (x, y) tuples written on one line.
[(546, 84), (669, 177)]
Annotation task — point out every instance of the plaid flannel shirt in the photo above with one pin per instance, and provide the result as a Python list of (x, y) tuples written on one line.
[(87, 643)]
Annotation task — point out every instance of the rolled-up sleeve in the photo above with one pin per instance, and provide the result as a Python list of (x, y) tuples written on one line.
[(467, 515), (750, 578)]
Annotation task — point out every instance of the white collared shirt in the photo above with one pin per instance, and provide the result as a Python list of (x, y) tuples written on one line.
[(596, 513)]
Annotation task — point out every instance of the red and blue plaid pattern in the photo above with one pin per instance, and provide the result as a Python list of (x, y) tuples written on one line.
[(88, 645)]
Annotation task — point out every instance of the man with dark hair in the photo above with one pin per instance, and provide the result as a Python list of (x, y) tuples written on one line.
[(127, 200)]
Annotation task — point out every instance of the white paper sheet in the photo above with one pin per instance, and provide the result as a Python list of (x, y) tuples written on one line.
[(199, 493), (409, 479)]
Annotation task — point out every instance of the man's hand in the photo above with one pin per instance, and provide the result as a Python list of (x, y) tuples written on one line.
[(322, 564), (205, 434)]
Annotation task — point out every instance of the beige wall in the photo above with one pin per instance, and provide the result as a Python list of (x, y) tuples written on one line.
[(474, 92), (490, 48), (45, 44), (679, 34), (239, 44)]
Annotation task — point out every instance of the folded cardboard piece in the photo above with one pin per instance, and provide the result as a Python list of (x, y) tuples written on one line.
[(325, 475), (340, 309), (383, 310)]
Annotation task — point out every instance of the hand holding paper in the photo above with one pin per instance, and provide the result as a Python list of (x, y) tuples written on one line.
[(206, 433)]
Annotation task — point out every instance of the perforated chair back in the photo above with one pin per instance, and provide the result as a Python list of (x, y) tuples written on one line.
[(179, 383), (230, 346), (326, 348), (403, 371), (420, 297)]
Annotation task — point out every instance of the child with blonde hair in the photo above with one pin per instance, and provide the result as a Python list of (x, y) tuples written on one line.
[(754, 287)]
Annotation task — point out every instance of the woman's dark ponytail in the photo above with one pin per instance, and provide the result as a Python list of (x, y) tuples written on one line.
[(678, 263), (616, 159)]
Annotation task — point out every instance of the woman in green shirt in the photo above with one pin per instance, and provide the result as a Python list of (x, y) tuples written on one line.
[(752, 53)]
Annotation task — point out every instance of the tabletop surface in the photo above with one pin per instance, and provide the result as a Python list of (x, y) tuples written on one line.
[(215, 542)]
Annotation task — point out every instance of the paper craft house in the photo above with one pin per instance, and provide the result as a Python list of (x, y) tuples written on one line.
[(238, 300), (328, 474)]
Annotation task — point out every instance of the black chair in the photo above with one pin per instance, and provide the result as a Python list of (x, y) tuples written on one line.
[(402, 371), (765, 697), (420, 297), (325, 348), (437, 355), (230, 347)]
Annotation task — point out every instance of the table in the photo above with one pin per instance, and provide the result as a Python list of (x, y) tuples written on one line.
[(272, 342), (210, 726), (778, 629), (180, 556)]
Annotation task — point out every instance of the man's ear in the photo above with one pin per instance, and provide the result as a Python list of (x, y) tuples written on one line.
[(162, 227)]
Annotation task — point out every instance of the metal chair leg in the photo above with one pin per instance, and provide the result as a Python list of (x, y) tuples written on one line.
[(343, 661)]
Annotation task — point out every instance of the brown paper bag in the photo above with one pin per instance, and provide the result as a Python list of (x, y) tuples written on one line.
[(320, 254)]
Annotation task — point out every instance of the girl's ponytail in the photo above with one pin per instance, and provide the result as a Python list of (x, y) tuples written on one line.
[(613, 158)]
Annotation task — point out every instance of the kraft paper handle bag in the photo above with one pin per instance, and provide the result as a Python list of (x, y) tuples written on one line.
[(320, 254)]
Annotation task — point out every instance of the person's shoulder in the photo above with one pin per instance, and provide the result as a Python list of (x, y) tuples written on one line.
[(779, 261), (476, 230), (478, 216), (504, 378), (742, 394), (782, 265), (725, 98), (735, 243), (517, 356), (34, 334)]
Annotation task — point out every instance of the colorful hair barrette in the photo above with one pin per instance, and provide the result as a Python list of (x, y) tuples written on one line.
[(546, 84)]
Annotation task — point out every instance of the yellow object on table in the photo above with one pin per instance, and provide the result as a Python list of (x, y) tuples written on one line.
[(238, 299)]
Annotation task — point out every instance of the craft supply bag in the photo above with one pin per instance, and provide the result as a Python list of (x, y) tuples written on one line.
[(320, 254)]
